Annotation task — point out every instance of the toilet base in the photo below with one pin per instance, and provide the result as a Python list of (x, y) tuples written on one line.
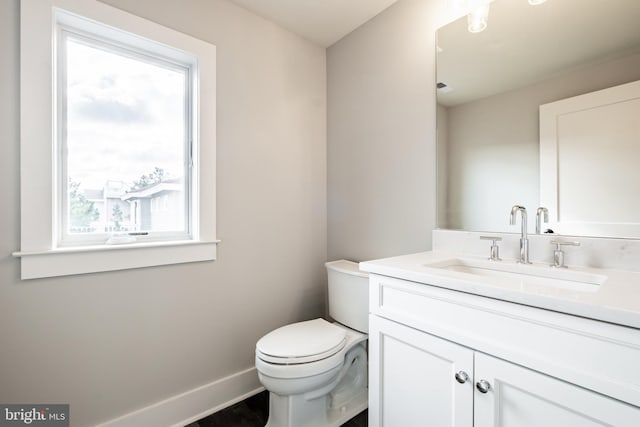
[(338, 416), (296, 411), (330, 405)]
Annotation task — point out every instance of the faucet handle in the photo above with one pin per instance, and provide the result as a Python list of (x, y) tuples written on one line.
[(558, 253), (495, 249), (559, 243)]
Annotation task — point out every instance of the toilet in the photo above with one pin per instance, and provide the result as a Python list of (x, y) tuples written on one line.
[(316, 371)]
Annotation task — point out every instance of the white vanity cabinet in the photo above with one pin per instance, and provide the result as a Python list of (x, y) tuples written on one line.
[(431, 351), (411, 378)]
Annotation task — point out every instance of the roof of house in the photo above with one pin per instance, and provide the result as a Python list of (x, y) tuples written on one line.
[(153, 189)]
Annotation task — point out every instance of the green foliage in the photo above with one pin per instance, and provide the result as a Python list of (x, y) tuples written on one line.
[(154, 177), (81, 211), (117, 215)]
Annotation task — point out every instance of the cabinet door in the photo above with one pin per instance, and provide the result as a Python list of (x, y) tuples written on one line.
[(520, 397), (412, 378)]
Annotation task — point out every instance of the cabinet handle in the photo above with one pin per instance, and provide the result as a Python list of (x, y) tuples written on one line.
[(483, 386), (462, 377)]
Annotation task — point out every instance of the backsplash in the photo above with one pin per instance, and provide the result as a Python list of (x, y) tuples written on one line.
[(617, 254)]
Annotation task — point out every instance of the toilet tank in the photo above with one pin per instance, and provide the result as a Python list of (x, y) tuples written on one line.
[(348, 294)]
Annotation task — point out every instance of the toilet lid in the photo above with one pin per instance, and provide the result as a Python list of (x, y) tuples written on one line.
[(310, 340)]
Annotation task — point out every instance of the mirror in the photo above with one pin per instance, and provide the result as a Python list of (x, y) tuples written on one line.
[(491, 86)]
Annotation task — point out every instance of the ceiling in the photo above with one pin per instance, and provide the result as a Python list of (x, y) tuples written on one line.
[(323, 22)]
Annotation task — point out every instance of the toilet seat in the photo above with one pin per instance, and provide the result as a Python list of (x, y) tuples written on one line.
[(302, 342), (326, 360)]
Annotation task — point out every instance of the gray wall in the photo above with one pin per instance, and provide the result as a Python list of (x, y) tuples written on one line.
[(109, 343), (381, 134)]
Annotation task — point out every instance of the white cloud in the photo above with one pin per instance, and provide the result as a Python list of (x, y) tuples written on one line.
[(125, 116)]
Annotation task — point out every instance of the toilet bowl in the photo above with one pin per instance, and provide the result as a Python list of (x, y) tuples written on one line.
[(316, 371)]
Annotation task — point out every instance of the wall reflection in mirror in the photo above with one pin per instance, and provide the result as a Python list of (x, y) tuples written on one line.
[(491, 86)]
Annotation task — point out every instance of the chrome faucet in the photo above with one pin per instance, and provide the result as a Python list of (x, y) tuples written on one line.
[(524, 241), (540, 213), (558, 254)]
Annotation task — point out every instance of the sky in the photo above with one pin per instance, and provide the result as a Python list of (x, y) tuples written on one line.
[(125, 116)]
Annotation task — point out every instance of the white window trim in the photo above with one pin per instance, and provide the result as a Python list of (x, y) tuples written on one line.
[(114, 41), (39, 255)]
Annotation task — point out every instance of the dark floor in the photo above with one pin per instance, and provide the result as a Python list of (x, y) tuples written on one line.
[(253, 412)]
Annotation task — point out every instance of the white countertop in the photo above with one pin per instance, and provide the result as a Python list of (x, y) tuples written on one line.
[(617, 300)]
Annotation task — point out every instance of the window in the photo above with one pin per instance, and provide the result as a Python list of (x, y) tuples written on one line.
[(120, 117), (124, 115)]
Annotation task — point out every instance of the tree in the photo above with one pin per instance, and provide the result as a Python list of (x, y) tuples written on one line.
[(154, 177), (81, 211), (117, 215)]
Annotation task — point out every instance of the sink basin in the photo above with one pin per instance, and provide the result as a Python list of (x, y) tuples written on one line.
[(520, 275)]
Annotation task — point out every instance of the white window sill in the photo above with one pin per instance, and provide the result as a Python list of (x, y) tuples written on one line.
[(94, 259)]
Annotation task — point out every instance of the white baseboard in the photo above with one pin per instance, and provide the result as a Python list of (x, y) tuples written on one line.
[(192, 405)]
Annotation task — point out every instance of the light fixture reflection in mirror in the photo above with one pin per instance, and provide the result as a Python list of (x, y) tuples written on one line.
[(477, 18), (478, 14)]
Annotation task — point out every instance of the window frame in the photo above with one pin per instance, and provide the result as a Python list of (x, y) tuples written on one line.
[(40, 254), (119, 43)]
